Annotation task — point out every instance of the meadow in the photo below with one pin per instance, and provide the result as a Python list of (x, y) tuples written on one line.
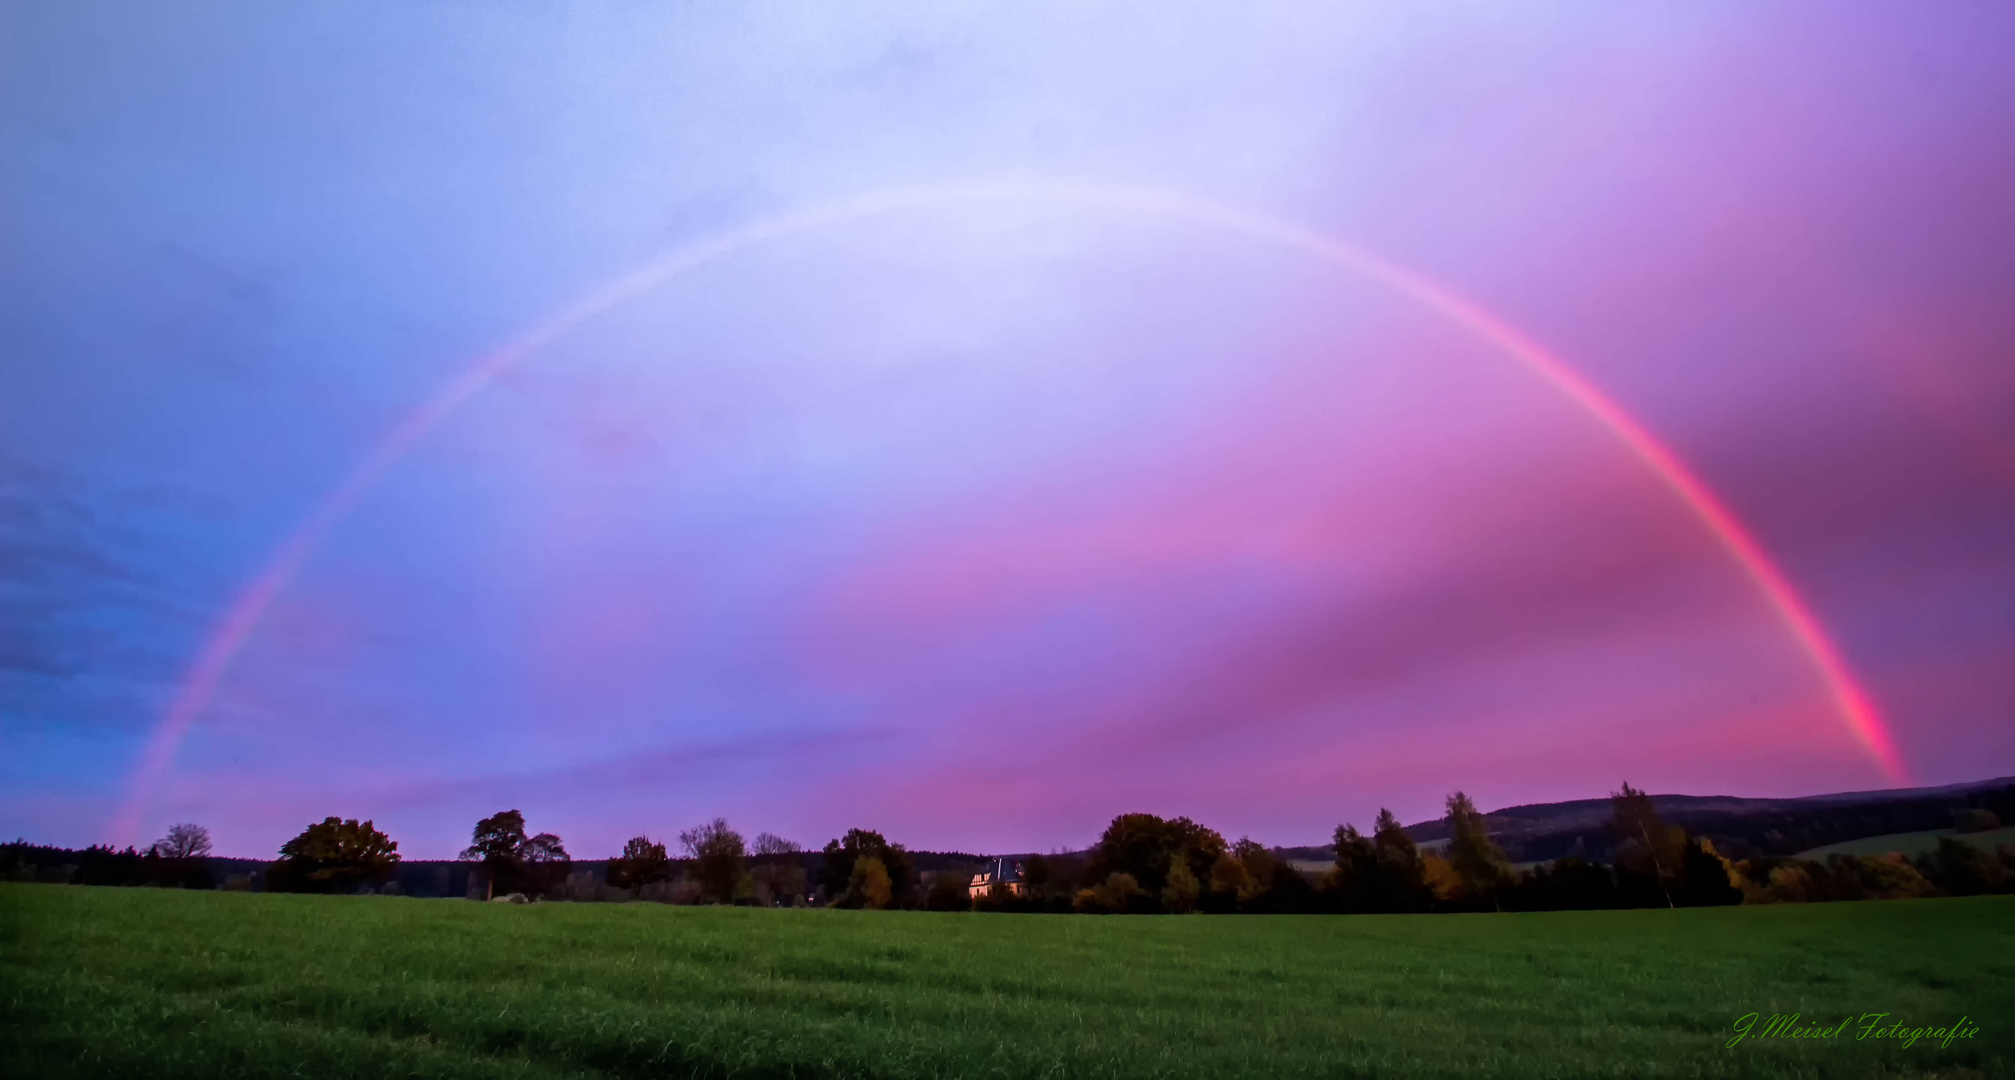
[(1911, 844), (152, 982)]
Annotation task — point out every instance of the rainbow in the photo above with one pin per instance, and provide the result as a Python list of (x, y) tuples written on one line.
[(1853, 703)]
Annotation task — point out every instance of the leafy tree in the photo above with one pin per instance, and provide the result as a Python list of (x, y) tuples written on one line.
[(1705, 878), (335, 856), (513, 861), (184, 841), (1261, 869), (1354, 883), (498, 842), (950, 890), (1962, 869), (544, 864), (1179, 896), (1119, 894), (1036, 876), (868, 884), (1644, 844), (718, 857), (1401, 876), (1142, 846), (840, 855), (1478, 862), (643, 862)]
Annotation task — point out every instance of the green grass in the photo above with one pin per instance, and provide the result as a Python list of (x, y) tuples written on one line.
[(143, 982), (1912, 844)]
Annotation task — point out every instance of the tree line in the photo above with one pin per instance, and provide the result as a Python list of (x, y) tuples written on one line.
[(1142, 864)]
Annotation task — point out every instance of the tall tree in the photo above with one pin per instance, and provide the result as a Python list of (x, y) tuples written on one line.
[(718, 854), (1644, 844), (1355, 881), (1402, 877), (1479, 864), (498, 842), (336, 855)]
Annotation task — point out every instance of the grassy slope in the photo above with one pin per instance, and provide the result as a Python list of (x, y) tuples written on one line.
[(1912, 844), (145, 982)]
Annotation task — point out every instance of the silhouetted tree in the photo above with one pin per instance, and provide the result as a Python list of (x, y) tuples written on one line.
[(498, 842), (513, 862), (1143, 845), (778, 871), (643, 862), (1401, 878), (543, 864), (950, 890), (179, 860), (1705, 878), (717, 855), (336, 855), (1644, 844), (184, 841), (837, 874), (1479, 864)]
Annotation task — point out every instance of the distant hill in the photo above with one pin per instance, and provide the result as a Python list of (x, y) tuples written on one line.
[(1740, 827)]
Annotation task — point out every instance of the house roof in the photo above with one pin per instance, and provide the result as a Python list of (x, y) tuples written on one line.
[(1002, 871)]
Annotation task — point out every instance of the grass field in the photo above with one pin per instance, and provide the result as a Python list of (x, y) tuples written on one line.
[(1912, 844), (145, 982)]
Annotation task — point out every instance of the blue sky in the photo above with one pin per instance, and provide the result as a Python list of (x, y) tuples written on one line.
[(1127, 513)]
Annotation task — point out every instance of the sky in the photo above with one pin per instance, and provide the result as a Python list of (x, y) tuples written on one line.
[(942, 419)]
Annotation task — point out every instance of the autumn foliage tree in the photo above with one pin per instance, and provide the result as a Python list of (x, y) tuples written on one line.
[(334, 856), (837, 875)]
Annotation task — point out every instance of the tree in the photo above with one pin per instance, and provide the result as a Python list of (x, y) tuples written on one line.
[(868, 886), (184, 842), (950, 890), (1142, 846), (643, 862), (1116, 896), (336, 855), (779, 873), (1354, 883), (1644, 844), (1478, 862), (498, 841), (717, 855), (1180, 894), (840, 855), (543, 864), (514, 861), (1401, 876)]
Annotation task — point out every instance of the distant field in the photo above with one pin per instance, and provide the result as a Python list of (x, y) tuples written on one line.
[(1912, 844), (144, 982)]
